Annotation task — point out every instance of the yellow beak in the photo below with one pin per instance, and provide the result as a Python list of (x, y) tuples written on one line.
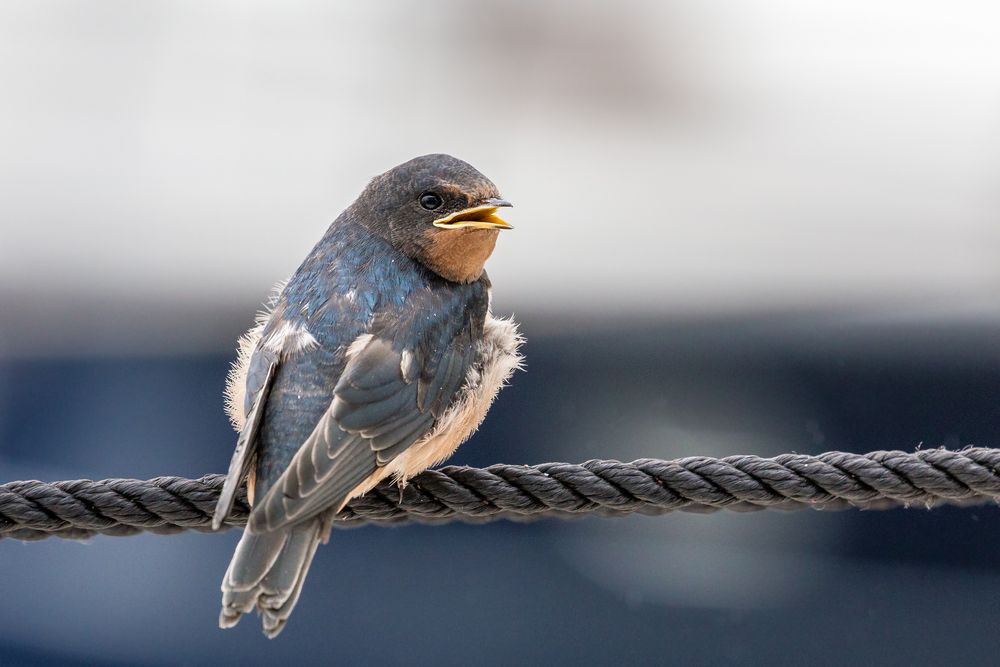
[(482, 216)]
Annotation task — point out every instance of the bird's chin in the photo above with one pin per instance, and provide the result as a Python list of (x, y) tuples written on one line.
[(472, 231)]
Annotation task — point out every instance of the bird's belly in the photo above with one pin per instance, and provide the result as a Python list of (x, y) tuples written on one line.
[(498, 358), (462, 421)]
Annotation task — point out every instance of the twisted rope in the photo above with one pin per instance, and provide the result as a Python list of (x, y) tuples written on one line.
[(31, 510)]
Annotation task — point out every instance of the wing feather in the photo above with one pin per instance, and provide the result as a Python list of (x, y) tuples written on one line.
[(398, 380), (260, 375)]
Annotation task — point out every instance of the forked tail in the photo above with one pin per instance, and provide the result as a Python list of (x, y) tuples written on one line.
[(267, 572)]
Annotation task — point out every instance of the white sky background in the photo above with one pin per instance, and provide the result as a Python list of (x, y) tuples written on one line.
[(672, 157)]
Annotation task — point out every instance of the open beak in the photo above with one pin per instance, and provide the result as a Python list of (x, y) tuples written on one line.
[(481, 216)]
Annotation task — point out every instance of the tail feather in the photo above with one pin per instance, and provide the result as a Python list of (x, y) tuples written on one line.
[(267, 572)]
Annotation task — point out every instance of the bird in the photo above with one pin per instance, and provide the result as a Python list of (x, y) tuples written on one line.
[(374, 361)]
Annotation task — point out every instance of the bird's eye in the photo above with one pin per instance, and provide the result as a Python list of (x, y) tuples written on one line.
[(430, 201)]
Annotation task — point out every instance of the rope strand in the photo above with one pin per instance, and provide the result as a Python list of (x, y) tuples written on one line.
[(32, 510)]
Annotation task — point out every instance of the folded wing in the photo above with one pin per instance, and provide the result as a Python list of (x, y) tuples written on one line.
[(398, 380)]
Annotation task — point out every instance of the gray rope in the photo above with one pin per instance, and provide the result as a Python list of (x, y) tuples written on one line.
[(835, 480)]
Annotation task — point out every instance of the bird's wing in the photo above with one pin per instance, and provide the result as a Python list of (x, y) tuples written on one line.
[(398, 380), (260, 373)]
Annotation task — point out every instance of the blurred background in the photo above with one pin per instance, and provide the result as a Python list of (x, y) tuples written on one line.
[(750, 227)]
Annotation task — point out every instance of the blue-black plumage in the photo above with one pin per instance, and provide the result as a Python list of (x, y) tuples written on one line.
[(377, 359)]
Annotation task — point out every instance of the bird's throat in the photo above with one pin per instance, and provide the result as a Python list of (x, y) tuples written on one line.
[(458, 255)]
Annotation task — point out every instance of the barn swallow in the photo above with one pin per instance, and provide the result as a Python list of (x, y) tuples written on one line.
[(376, 360)]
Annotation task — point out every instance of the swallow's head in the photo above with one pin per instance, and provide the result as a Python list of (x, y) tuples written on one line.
[(438, 210)]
